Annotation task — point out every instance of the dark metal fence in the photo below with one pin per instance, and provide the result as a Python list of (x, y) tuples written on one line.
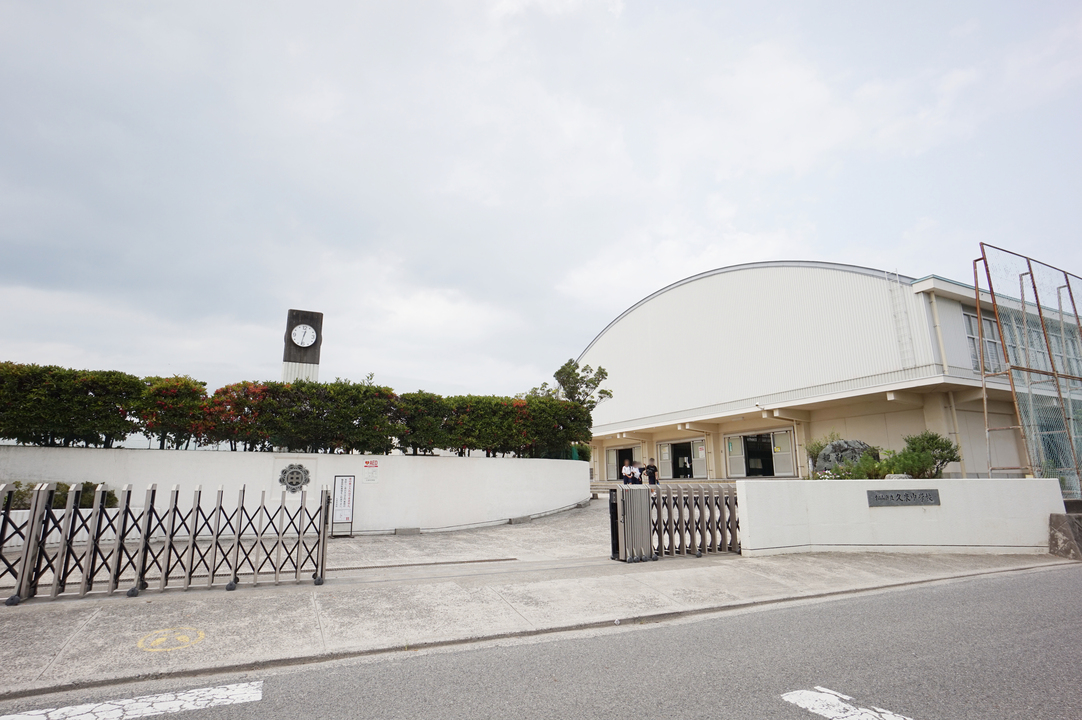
[(76, 550)]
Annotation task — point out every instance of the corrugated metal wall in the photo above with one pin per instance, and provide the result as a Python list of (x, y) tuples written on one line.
[(755, 331)]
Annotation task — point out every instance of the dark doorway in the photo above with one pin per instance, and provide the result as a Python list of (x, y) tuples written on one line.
[(621, 455), (681, 460), (759, 455)]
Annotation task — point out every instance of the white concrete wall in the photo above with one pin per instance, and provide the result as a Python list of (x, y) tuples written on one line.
[(431, 493), (975, 516)]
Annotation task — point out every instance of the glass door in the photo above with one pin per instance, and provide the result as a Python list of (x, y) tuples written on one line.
[(734, 455), (664, 461), (783, 453), (698, 458)]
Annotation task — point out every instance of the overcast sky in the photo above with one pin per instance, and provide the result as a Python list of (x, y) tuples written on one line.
[(471, 191)]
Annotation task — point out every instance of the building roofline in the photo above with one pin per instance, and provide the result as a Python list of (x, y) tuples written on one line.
[(858, 269)]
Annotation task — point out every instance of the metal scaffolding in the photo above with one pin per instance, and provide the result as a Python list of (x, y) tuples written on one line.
[(1033, 341)]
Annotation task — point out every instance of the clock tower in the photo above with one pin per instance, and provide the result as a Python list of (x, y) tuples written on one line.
[(304, 336)]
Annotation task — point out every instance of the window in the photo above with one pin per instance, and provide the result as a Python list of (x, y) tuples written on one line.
[(993, 351), (766, 454), (1066, 355)]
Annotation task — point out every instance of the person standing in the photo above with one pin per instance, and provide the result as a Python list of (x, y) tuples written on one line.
[(650, 472), (628, 472)]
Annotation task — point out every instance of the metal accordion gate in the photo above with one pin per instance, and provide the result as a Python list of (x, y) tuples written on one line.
[(76, 550), (649, 522)]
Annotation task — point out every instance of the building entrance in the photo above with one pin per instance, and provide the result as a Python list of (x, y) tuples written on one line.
[(614, 460), (759, 455), (681, 460)]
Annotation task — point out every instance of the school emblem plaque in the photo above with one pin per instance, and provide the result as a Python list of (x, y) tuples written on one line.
[(294, 477)]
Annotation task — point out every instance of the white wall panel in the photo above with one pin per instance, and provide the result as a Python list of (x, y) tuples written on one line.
[(430, 493), (1002, 515), (749, 331), (952, 325)]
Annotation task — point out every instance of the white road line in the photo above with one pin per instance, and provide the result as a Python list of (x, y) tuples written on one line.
[(150, 704), (831, 704)]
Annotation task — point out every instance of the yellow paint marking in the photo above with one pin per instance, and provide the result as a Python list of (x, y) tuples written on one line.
[(171, 639)]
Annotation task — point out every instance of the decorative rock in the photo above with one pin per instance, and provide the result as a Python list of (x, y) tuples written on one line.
[(1064, 535), (841, 451), (898, 476)]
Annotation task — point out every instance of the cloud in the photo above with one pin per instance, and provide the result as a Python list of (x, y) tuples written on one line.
[(58, 327), (471, 190), (1045, 65), (504, 8)]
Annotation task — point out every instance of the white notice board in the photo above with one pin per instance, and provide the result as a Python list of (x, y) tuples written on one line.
[(371, 471), (344, 486)]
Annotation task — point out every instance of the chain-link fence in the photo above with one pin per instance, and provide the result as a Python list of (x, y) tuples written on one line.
[(1029, 335)]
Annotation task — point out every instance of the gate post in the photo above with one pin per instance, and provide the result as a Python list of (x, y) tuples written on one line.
[(67, 534), (324, 531), (93, 540), (27, 587), (145, 528), (121, 529)]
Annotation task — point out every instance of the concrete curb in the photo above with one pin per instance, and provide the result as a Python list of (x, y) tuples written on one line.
[(573, 627)]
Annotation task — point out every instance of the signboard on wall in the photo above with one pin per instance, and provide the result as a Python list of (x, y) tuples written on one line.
[(343, 498), (342, 504), (371, 471)]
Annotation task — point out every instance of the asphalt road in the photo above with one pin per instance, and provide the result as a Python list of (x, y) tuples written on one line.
[(999, 646)]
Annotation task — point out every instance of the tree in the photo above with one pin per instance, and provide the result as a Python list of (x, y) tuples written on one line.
[(237, 413), (579, 385), (942, 450), (554, 425), (424, 418), (55, 406), (32, 407), (338, 417), (175, 411), (106, 404)]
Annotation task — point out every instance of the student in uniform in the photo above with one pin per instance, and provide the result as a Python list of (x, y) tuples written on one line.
[(628, 472), (650, 472)]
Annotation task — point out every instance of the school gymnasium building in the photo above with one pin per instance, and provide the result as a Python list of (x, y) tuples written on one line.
[(730, 373)]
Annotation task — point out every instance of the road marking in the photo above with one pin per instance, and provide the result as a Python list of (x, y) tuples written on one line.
[(151, 704), (831, 704), (171, 639)]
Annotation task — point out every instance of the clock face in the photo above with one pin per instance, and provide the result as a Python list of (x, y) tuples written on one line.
[(304, 335)]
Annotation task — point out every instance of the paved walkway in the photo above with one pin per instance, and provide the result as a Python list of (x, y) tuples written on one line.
[(392, 592)]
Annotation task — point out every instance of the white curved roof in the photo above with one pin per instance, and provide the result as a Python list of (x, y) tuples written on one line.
[(842, 267), (771, 332)]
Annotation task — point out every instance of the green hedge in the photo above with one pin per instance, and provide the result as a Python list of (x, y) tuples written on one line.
[(52, 406)]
